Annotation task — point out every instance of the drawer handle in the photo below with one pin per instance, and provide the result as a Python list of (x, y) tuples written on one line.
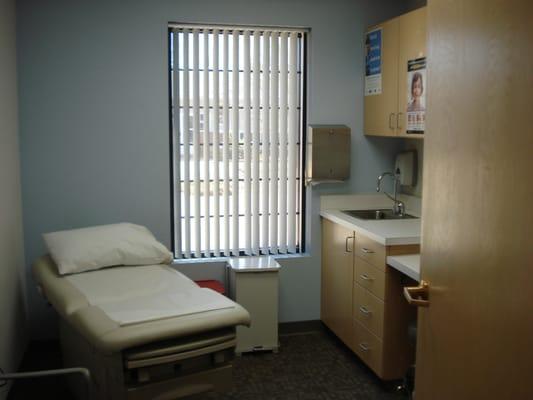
[(391, 116), (364, 347), (367, 251), (365, 277), (365, 310)]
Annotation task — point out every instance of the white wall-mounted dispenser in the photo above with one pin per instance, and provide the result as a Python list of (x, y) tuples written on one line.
[(328, 154), (406, 162)]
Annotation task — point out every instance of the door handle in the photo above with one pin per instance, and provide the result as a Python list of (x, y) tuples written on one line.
[(417, 295), (398, 121), (346, 244), (391, 116)]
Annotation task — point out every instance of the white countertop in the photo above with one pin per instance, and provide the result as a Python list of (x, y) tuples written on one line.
[(408, 264), (386, 232)]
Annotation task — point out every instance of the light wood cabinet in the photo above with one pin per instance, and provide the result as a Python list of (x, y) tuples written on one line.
[(368, 347), (362, 299), (413, 38), (369, 277), (337, 278), (368, 310), (380, 109), (403, 39)]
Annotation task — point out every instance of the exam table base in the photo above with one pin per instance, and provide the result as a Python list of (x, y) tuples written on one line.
[(129, 376)]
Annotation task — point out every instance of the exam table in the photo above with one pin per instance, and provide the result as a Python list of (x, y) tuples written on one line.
[(144, 332)]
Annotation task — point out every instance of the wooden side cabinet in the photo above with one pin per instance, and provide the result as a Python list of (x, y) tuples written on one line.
[(403, 39), (362, 299)]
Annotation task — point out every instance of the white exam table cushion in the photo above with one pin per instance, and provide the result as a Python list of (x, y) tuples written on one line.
[(96, 247), (148, 293), (107, 334)]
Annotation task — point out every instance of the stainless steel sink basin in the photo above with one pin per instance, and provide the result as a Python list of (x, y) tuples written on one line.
[(381, 214)]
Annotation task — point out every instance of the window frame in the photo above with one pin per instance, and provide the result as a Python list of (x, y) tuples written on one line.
[(302, 143)]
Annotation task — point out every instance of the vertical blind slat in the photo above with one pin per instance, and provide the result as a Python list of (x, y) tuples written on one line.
[(247, 140), (207, 221), (292, 136), (255, 143), (265, 141), (216, 146), (283, 148), (196, 142), (225, 149), (175, 142), (274, 139), (186, 151), (235, 146)]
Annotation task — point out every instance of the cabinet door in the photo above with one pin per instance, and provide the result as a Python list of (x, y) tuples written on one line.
[(413, 35), (380, 109), (337, 279)]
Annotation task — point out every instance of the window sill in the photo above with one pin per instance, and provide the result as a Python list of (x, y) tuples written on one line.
[(181, 261)]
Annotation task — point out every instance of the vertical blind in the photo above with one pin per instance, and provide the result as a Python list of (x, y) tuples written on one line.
[(236, 140)]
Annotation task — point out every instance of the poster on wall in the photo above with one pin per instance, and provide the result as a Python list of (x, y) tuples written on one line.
[(373, 62), (416, 95)]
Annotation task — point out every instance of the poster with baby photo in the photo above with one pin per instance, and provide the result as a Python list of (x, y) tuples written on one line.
[(416, 95)]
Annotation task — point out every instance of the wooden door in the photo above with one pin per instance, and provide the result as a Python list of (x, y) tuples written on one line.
[(337, 279), (380, 110), (413, 40), (475, 340)]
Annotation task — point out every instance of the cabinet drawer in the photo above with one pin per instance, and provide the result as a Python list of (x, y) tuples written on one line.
[(368, 310), (368, 347), (371, 251), (369, 277)]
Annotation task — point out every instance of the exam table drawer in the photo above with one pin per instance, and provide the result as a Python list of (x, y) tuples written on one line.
[(368, 310), (179, 349)]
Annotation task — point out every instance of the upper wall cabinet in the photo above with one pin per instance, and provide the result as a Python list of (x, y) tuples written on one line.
[(395, 77)]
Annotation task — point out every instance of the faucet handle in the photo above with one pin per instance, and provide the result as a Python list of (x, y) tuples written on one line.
[(399, 207)]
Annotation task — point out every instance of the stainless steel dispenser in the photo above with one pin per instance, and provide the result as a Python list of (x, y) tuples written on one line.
[(328, 154)]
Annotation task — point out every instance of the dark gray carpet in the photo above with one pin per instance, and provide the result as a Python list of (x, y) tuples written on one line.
[(309, 366)]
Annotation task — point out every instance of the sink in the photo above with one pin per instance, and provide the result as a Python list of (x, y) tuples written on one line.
[(381, 214)]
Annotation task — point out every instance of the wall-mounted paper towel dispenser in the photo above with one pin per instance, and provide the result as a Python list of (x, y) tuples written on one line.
[(328, 154)]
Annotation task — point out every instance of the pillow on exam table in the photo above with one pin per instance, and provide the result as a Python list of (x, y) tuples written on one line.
[(96, 247)]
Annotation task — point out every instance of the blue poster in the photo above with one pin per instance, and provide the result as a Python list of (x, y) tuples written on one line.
[(373, 62)]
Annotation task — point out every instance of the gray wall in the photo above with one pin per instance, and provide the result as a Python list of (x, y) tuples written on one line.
[(94, 115), (13, 321)]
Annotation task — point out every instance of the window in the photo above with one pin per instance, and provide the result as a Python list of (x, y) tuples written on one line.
[(237, 119)]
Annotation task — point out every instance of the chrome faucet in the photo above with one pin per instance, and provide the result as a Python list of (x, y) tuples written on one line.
[(398, 207)]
